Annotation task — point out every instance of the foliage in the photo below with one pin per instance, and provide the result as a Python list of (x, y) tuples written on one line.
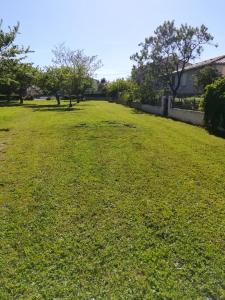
[(102, 86), (13, 73), (9, 51), (8, 83), (204, 77), (25, 75), (17, 79), (201, 104), (55, 81), (170, 49), (100, 202), (148, 82), (190, 103), (127, 90), (81, 69), (214, 104)]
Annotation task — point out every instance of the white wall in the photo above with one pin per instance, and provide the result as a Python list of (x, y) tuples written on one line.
[(184, 115), (189, 116), (152, 109), (157, 110)]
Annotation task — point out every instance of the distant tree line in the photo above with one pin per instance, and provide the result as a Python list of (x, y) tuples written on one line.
[(70, 75), (160, 64), (158, 69)]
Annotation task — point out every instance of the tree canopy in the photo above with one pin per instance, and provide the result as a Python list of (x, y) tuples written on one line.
[(14, 75), (81, 69), (170, 49)]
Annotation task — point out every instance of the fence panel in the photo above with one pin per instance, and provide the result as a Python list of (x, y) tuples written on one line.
[(189, 103)]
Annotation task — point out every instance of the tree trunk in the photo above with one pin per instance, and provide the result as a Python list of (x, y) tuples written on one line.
[(58, 99), (70, 104), (174, 95), (21, 100)]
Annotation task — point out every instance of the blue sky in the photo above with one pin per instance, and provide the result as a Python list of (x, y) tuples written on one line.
[(111, 29)]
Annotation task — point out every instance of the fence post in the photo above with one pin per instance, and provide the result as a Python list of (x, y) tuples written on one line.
[(170, 104)]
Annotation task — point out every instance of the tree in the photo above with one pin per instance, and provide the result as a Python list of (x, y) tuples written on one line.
[(8, 84), (148, 82), (8, 50), (204, 77), (116, 87), (25, 75), (128, 90), (102, 86), (81, 69), (10, 56), (171, 49), (53, 80), (17, 79)]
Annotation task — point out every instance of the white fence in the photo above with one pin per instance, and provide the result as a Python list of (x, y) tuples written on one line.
[(152, 109), (188, 116), (157, 110)]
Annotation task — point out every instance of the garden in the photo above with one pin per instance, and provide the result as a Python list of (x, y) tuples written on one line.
[(101, 201)]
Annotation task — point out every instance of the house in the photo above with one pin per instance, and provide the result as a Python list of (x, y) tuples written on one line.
[(187, 83)]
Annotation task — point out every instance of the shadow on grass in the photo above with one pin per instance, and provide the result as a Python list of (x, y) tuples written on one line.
[(137, 111), (9, 103), (4, 129), (217, 133), (51, 107)]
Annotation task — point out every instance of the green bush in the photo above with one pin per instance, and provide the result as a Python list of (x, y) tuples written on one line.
[(124, 97), (214, 104), (125, 90), (201, 104)]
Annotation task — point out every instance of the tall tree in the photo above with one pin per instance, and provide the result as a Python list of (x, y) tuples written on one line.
[(171, 48), (10, 55), (9, 51), (82, 68), (53, 80)]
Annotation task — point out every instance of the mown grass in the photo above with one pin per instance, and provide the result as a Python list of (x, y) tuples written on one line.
[(103, 202)]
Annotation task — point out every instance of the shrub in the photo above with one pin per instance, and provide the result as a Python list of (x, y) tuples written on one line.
[(201, 104), (125, 90), (124, 97), (214, 104), (151, 87)]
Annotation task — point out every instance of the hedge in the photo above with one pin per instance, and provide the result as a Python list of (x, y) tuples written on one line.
[(214, 105)]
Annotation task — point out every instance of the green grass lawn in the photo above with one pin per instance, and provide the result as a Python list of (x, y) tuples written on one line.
[(103, 202)]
